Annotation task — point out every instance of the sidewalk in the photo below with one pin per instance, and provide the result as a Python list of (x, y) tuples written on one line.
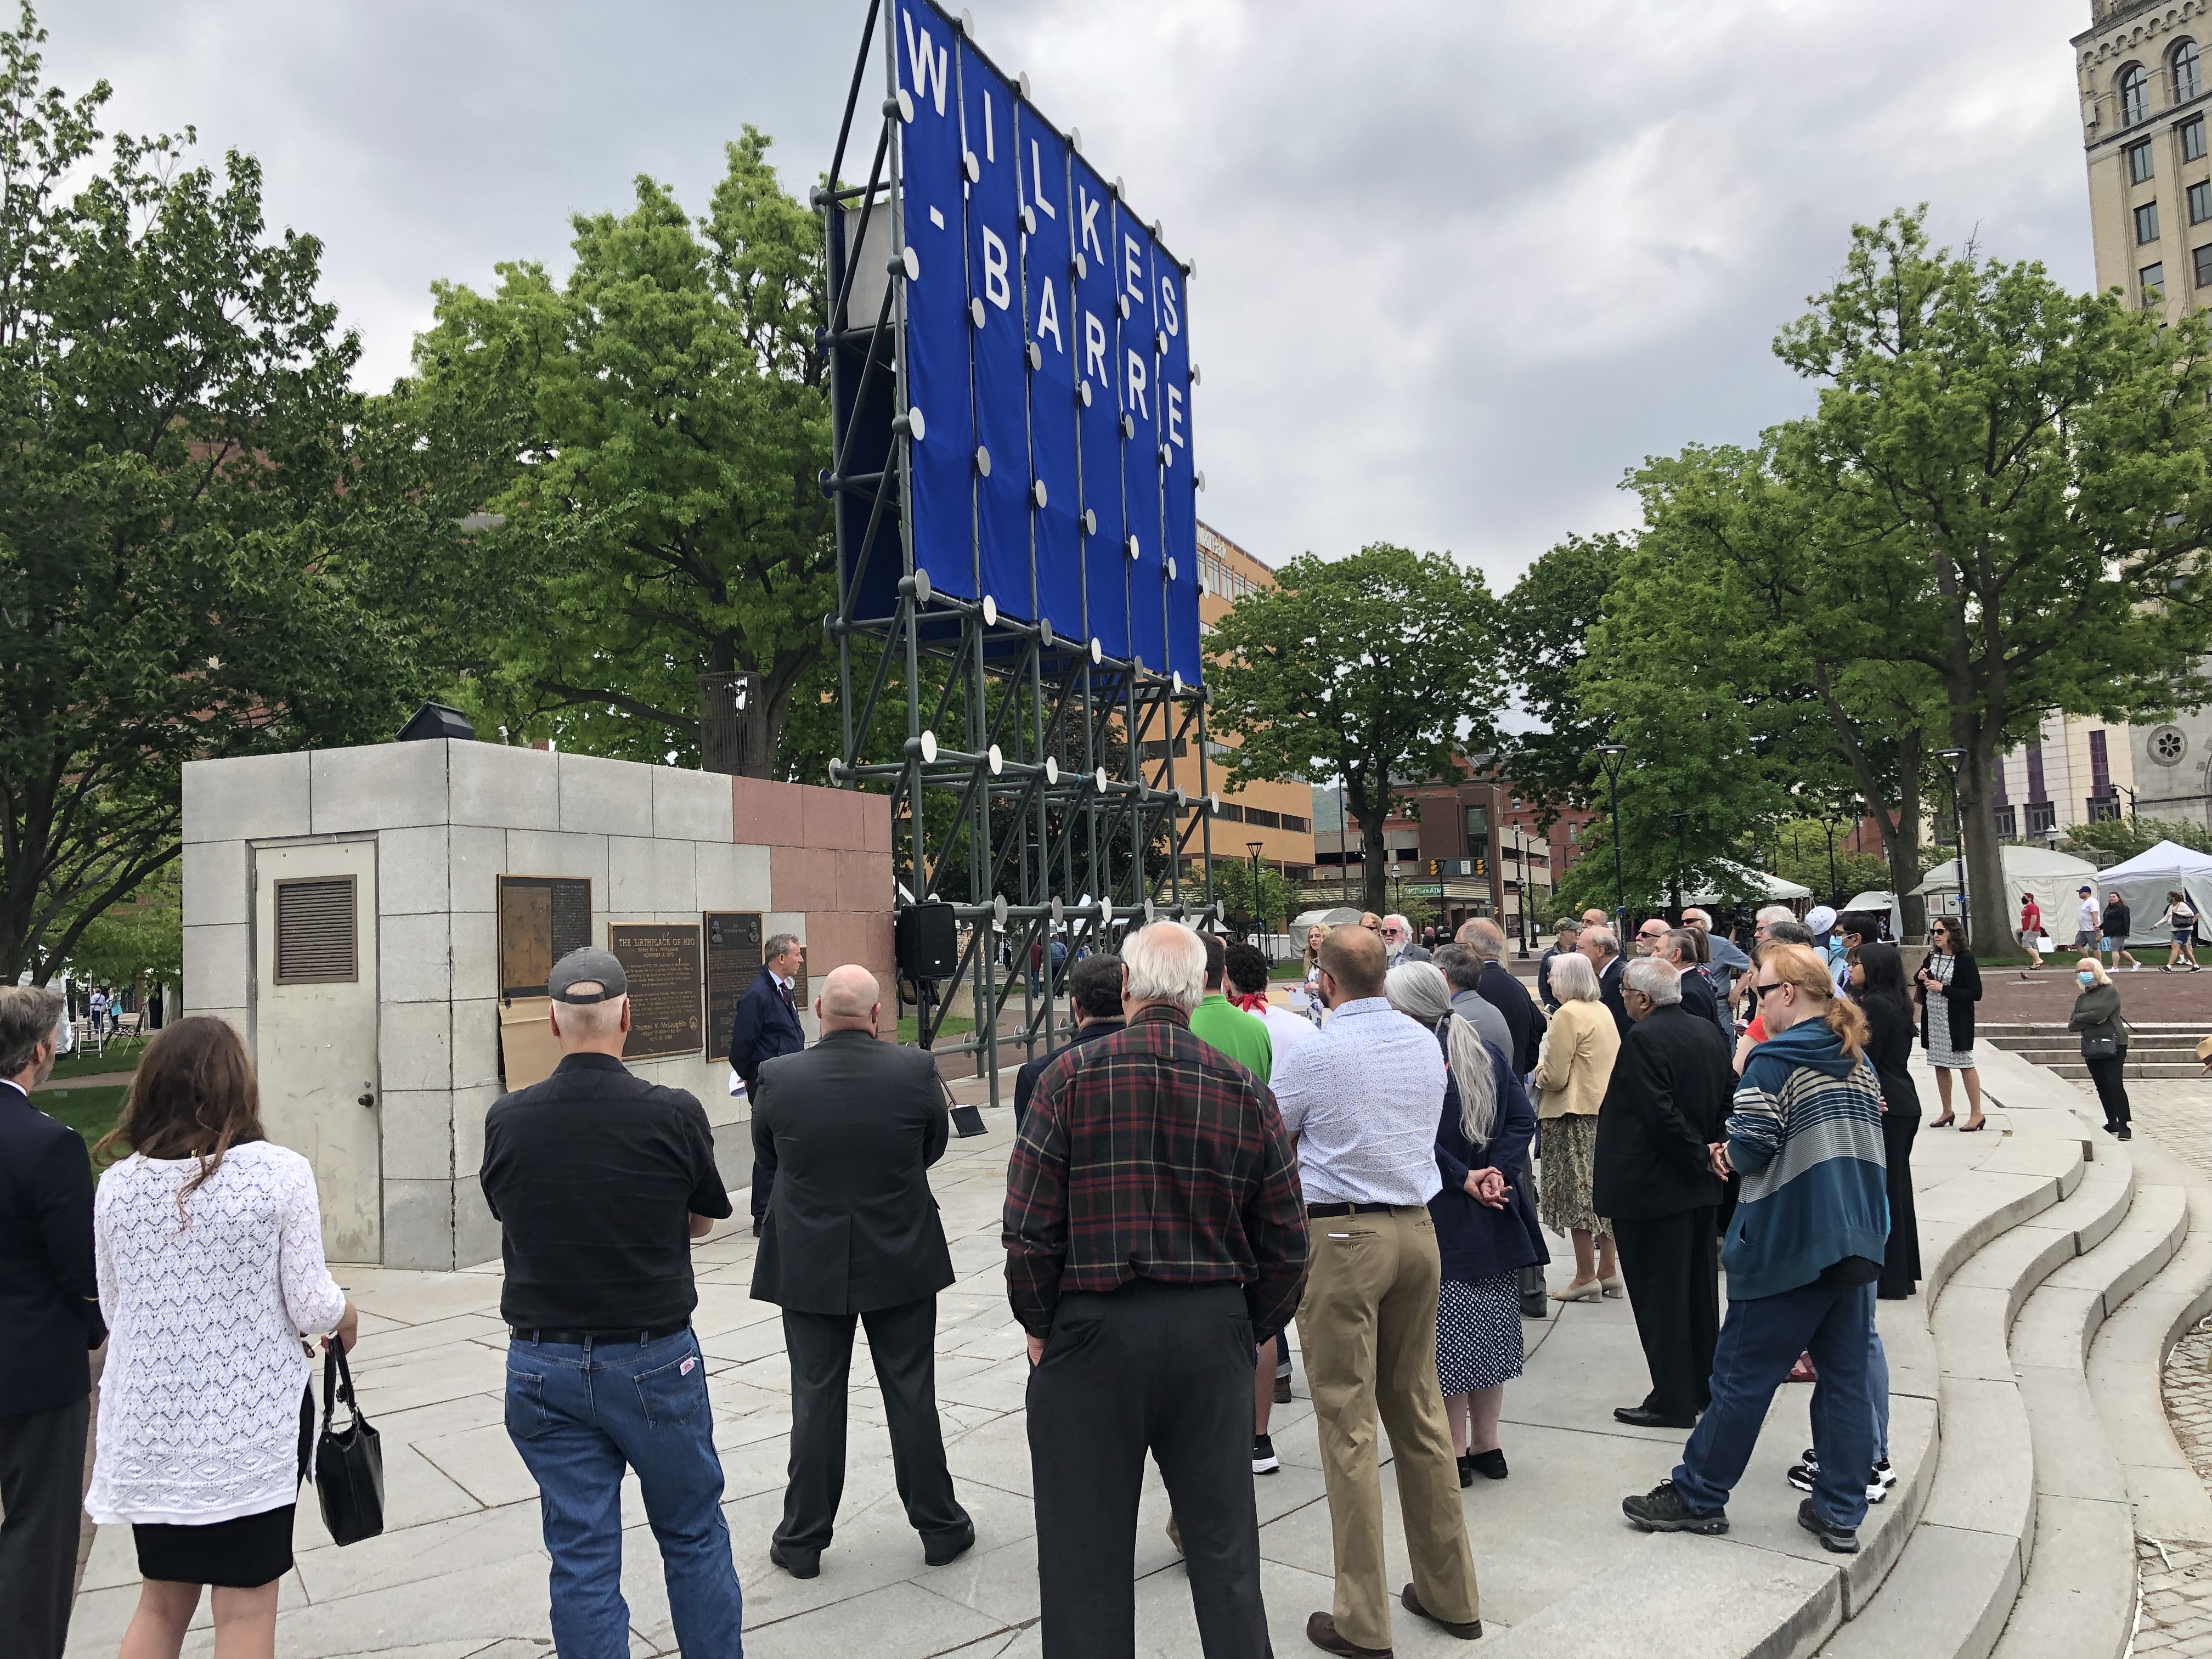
[(461, 1574)]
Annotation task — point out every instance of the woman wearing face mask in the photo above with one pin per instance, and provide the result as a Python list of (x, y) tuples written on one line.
[(2103, 1041)]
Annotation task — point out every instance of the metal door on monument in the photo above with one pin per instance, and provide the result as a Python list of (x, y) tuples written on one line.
[(315, 1025)]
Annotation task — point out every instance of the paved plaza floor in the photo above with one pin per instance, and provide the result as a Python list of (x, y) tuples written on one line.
[(461, 1572)]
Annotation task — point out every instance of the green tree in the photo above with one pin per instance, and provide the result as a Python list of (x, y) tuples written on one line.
[(667, 414), (1272, 903), (1379, 668), (1549, 616), (141, 937), (208, 546), (2011, 481), (1802, 849), (2122, 839)]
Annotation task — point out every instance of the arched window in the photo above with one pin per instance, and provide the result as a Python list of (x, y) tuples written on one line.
[(2134, 95), (2187, 81)]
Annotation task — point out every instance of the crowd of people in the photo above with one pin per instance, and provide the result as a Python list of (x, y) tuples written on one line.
[(1200, 1172)]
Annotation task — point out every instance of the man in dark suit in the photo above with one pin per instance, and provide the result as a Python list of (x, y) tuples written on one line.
[(1094, 995), (1602, 946), (49, 1321), (852, 1126), (1653, 1179), (766, 1026), (1503, 990)]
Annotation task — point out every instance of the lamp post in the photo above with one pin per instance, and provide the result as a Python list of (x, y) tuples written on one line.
[(2130, 794), (1829, 822), (1951, 759), (1253, 892), (1677, 819), (1609, 756)]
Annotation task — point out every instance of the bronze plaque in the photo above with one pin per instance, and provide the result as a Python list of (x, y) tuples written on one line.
[(734, 962), (541, 919), (661, 959)]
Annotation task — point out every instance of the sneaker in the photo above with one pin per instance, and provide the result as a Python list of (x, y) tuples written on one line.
[(2123, 1133), (1884, 1478), (1663, 1510), (1282, 1391), (1264, 1460), (1840, 1540), (1803, 1474)]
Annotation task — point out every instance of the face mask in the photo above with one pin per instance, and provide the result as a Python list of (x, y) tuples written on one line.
[(2087, 979)]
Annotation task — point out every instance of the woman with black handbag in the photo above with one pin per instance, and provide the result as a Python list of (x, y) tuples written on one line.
[(1947, 986), (210, 1244), (2104, 1042)]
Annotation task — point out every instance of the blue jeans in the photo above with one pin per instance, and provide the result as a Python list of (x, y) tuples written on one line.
[(1878, 1386), (1759, 1341), (578, 1414)]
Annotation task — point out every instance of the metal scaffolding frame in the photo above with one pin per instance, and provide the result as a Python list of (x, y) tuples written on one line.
[(1042, 765)]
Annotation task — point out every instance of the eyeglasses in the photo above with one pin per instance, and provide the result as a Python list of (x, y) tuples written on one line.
[(1652, 933), (1393, 933), (1760, 991)]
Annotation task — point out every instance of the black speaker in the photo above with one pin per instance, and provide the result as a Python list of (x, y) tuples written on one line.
[(928, 941)]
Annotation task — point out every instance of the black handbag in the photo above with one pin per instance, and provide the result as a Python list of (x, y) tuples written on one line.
[(349, 1461), (2100, 1047)]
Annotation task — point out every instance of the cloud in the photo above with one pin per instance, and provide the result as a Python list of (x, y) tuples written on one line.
[(1460, 266)]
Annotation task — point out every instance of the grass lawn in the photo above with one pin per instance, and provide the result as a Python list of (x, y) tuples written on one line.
[(91, 1112), (121, 1056), (1289, 967), (952, 1025)]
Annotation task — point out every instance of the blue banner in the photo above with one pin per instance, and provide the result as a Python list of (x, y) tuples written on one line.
[(1179, 482), (994, 235), (1097, 352), (1140, 446), (933, 196), (1048, 272)]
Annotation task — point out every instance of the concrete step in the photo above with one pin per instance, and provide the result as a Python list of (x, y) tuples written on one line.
[(1997, 1029)]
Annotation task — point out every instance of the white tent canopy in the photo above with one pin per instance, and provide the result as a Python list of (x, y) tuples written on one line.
[(1772, 888), (2052, 877), (1333, 915), (1880, 903), (2143, 881)]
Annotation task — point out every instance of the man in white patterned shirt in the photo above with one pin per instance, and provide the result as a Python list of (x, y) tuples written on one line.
[(1363, 1097)]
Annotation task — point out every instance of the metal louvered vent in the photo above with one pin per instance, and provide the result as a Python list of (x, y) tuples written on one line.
[(315, 932)]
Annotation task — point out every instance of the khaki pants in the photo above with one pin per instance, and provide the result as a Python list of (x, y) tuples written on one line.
[(1368, 1328)]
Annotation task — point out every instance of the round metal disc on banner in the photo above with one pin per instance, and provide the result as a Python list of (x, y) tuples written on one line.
[(1098, 656), (1022, 79), (1160, 340), (1194, 376), (1176, 678), (990, 604), (1083, 394), (997, 760), (971, 166), (1036, 492), (1075, 139), (921, 588), (1172, 576), (1214, 801), (999, 909), (1167, 456), (1181, 800), (1133, 547), (967, 29), (1105, 913), (983, 456), (1089, 522), (1035, 355), (901, 106), (1198, 480), (1138, 664), (1099, 778), (1052, 775), (905, 263), (1082, 267), (1058, 910), (1128, 425), (911, 423), (928, 748), (1122, 305), (1120, 189), (976, 312), (836, 772), (1028, 221), (1149, 912), (1044, 631)]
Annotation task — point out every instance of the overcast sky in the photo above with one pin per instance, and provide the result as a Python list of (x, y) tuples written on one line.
[(1461, 264)]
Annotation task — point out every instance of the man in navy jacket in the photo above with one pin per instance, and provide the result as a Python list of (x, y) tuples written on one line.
[(49, 1320), (765, 1025)]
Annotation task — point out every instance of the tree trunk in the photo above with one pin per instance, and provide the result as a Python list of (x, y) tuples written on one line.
[(732, 724), (1374, 875), (1988, 903)]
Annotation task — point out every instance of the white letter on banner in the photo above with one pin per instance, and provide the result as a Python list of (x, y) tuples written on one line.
[(919, 57), (1091, 222), (1137, 386), (994, 270), (1048, 319), (1133, 267), (1174, 401), (1036, 168), (990, 146), (1094, 346), (1170, 316)]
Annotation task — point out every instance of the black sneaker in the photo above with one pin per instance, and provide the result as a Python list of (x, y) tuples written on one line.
[(1466, 1470), (1878, 1484), (1802, 1475), (2123, 1133), (1840, 1540), (1662, 1510), (1264, 1460)]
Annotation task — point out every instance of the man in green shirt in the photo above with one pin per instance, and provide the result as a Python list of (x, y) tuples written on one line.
[(1242, 1037)]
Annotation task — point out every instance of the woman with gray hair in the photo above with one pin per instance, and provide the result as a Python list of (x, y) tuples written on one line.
[(1486, 1233), (1573, 1068)]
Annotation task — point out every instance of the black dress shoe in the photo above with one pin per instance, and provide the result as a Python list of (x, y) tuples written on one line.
[(1640, 1417), (1538, 1306), (1466, 1470), (948, 1547), (756, 1226), (800, 1563), (1490, 1465)]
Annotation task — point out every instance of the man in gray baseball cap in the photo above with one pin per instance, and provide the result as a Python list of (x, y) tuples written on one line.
[(600, 1181)]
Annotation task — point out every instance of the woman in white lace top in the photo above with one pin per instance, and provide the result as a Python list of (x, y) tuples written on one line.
[(210, 1258)]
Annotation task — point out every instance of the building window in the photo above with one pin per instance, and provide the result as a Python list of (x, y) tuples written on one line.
[(2147, 224), (2104, 808), (2007, 825), (2192, 140), (2139, 163), (1293, 822), (2200, 202), (2153, 279), (2204, 259), (2042, 817), (2100, 766), (2134, 95), (1265, 819), (2187, 83)]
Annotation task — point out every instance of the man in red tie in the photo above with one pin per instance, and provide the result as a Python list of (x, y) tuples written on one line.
[(765, 1025)]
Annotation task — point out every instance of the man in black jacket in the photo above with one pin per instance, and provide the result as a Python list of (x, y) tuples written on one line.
[(1094, 997), (49, 1321), (1503, 990), (849, 1129), (766, 1025), (1602, 946), (1653, 1179)]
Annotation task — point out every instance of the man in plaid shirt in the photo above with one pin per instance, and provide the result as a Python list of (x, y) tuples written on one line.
[(1155, 1234)]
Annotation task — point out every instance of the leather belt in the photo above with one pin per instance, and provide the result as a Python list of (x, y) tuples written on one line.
[(577, 1339), (1349, 1209)]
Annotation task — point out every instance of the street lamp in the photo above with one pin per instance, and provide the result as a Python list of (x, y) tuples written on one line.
[(1676, 819), (1829, 823), (1951, 759), (1253, 892), (1610, 755)]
